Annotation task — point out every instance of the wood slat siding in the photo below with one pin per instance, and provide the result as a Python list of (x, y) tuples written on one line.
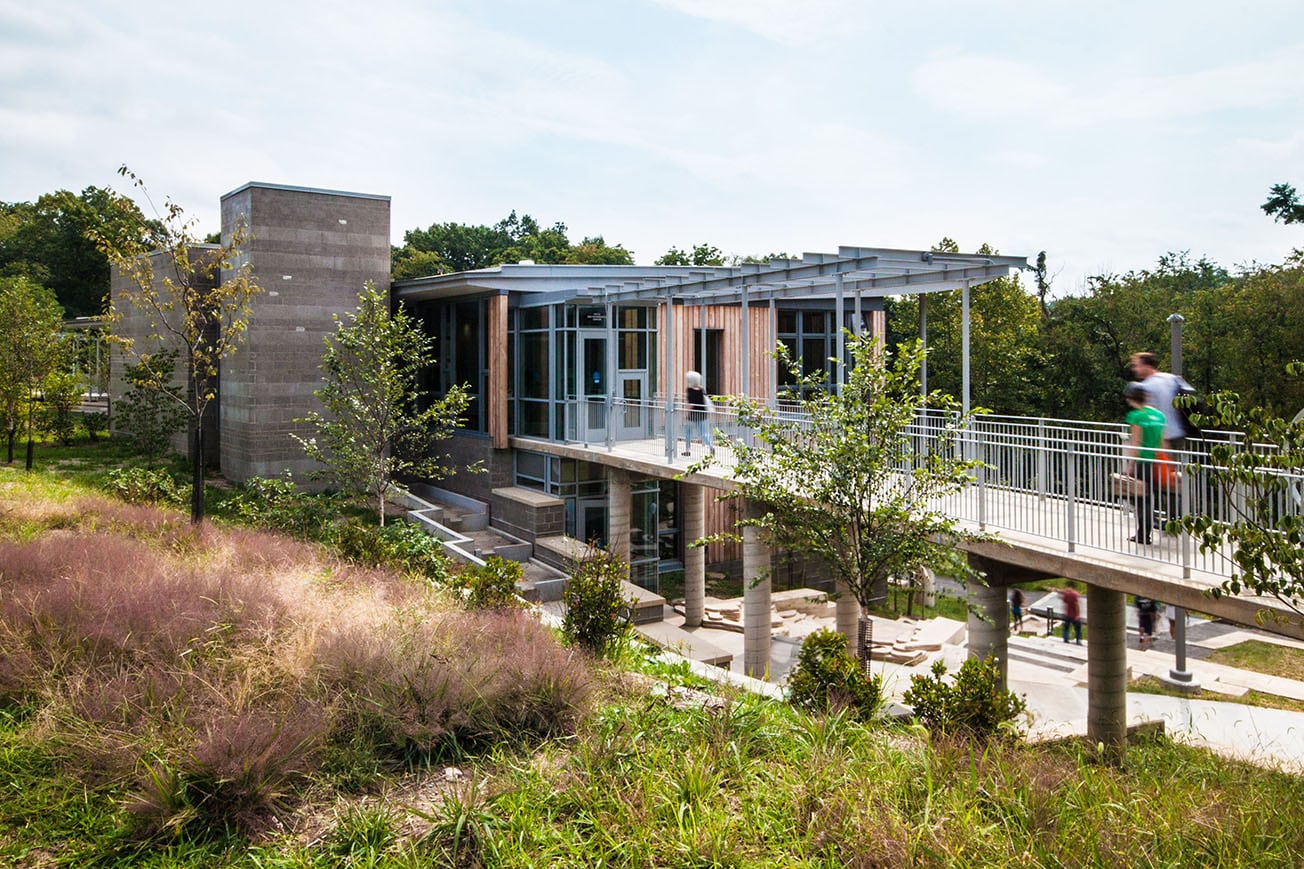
[(728, 319), (496, 322)]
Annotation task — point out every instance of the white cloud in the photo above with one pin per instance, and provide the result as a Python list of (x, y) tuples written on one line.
[(978, 86), (1273, 150), (777, 20)]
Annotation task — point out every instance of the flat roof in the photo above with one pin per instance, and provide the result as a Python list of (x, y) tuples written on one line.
[(296, 189)]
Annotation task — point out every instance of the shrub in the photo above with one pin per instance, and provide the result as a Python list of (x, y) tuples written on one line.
[(399, 546), (490, 587), (278, 504), (973, 705), (96, 424), (826, 677), (595, 603), (144, 485)]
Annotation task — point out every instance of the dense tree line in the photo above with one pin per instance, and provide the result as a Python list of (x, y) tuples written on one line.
[(1239, 332), (455, 247)]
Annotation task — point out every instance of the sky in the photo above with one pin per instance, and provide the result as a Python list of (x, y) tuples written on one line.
[(1106, 134)]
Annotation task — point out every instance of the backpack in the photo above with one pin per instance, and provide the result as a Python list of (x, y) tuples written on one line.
[(1185, 408)]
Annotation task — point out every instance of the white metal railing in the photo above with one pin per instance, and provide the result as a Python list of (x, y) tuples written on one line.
[(1051, 478)]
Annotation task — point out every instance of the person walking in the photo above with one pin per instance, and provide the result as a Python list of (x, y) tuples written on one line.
[(1163, 387), (1147, 611), (698, 423), (1016, 608), (1072, 603), (1146, 425)]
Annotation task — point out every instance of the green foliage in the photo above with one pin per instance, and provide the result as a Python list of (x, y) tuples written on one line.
[(149, 411), (455, 247), (144, 486), (371, 430), (1283, 204), (1005, 356), (973, 705), (399, 546), (828, 678), (61, 392), (595, 604), (48, 242), (1258, 482), (29, 353), (700, 255), (277, 503), (96, 424), (492, 586), (869, 475)]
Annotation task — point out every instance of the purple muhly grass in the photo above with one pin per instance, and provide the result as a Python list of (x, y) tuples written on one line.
[(428, 679)]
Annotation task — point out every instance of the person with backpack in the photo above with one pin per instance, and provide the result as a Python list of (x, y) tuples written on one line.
[(1147, 612), (1146, 425)]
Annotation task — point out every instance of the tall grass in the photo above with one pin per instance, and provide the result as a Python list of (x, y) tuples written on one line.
[(216, 670)]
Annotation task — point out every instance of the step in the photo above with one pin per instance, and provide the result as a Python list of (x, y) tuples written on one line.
[(686, 643)]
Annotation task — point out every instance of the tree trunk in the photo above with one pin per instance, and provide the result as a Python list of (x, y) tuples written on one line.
[(29, 435), (13, 436), (197, 471)]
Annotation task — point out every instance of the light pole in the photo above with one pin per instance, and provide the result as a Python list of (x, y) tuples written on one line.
[(1179, 675)]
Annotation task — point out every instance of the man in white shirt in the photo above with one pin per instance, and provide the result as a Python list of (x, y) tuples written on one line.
[(1161, 387)]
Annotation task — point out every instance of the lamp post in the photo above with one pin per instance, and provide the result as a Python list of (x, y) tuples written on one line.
[(1179, 675)]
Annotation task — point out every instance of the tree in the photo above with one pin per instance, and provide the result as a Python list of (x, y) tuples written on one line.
[(1004, 321), (701, 255), (1283, 204), (29, 352), (146, 411), (1258, 484), (48, 241), (372, 430), (859, 485), (177, 291), (595, 251)]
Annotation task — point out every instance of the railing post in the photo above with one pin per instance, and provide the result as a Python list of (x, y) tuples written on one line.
[(1042, 459), (1070, 502), (611, 422)]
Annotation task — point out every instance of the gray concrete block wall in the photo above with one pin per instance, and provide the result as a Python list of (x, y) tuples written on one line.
[(312, 251), (467, 449), (528, 521), (134, 324)]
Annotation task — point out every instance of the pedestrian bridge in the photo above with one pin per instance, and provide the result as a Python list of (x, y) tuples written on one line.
[(1044, 492)]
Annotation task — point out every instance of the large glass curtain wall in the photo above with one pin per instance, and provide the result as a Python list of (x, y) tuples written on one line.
[(558, 354)]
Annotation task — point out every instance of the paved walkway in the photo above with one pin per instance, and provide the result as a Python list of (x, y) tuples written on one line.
[(1051, 676)]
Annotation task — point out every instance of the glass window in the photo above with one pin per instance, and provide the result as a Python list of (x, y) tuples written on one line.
[(534, 365), (534, 318)]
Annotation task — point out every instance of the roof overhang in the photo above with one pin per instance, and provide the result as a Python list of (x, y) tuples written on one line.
[(872, 272)]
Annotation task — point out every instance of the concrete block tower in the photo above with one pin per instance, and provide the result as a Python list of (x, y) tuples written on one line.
[(312, 251)]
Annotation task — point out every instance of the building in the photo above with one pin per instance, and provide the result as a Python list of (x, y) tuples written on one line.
[(564, 362)]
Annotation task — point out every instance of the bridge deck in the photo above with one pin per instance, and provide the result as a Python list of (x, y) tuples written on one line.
[(1034, 535)]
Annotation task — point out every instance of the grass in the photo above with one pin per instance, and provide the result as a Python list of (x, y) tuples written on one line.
[(639, 777), (1273, 659)]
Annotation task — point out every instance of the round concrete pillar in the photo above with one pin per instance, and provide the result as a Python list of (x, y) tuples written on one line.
[(692, 512), (756, 604), (846, 613), (618, 507), (989, 626), (1107, 670)]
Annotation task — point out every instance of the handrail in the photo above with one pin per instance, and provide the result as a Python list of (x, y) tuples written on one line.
[(1046, 477)]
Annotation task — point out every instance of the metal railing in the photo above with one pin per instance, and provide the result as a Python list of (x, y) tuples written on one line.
[(1050, 478)]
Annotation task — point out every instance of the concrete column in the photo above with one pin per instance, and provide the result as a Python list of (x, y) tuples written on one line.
[(692, 512), (756, 604), (618, 506), (1107, 670), (989, 626), (846, 611)]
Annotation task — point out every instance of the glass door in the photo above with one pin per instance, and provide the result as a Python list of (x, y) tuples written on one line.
[(593, 387)]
